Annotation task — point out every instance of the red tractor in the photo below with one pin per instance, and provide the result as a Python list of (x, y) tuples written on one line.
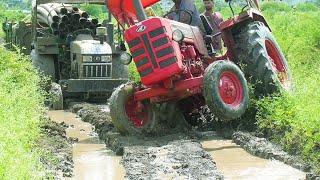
[(176, 63)]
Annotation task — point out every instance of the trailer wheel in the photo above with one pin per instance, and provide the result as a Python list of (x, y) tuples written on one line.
[(128, 116), (225, 90), (262, 59)]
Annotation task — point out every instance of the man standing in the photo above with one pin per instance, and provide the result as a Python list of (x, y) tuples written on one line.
[(214, 18), (180, 6)]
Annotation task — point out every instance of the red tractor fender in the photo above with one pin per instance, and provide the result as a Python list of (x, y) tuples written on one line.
[(230, 27), (124, 10)]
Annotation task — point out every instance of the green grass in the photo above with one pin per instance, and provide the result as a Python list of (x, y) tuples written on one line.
[(97, 11), (134, 75), (293, 119), (20, 113), (10, 15)]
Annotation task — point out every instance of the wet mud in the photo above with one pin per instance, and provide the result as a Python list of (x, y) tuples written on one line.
[(95, 114), (193, 154), (263, 148), (147, 157), (57, 149), (235, 163), (176, 160), (92, 160)]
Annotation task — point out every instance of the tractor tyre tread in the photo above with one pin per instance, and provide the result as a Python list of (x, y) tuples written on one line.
[(118, 113), (213, 100), (254, 60)]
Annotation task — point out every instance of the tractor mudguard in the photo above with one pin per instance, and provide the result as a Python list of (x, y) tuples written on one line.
[(233, 25), (243, 18), (125, 8), (44, 63)]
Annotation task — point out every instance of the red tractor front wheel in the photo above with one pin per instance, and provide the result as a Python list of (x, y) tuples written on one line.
[(225, 90), (129, 116)]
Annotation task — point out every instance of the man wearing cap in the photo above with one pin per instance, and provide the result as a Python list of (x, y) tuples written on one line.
[(214, 18)]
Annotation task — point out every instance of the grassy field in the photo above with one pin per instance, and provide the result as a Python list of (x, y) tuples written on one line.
[(12, 15), (293, 120), (20, 113)]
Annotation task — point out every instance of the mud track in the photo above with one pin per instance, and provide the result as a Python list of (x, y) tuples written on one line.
[(151, 157), (57, 149), (192, 154)]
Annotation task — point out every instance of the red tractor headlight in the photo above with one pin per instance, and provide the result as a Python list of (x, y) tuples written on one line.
[(177, 35), (125, 58)]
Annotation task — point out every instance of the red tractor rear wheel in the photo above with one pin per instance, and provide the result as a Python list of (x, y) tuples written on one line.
[(262, 59), (129, 116), (225, 90)]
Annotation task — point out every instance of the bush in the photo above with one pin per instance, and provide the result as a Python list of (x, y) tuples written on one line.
[(10, 15), (307, 7), (134, 75), (97, 11), (14, 15), (293, 119), (275, 7), (20, 112)]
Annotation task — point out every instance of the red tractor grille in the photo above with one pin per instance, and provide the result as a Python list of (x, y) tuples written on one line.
[(154, 53)]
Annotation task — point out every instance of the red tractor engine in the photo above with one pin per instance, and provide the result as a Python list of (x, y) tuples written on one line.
[(155, 54), (161, 59)]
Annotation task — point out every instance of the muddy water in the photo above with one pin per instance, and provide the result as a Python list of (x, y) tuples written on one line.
[(92, 160), (235, 163)]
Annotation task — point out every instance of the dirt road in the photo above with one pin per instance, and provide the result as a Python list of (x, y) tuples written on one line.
[(92, 159), (175, 156)]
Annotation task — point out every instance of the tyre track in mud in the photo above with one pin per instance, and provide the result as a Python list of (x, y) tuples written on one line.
[(152, 157), (92, 159), (56, 148), (186, 155)]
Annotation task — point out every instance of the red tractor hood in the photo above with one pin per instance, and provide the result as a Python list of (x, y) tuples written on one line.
[(124, 9)]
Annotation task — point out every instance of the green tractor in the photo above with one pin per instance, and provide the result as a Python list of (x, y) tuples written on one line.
[(77, 52)]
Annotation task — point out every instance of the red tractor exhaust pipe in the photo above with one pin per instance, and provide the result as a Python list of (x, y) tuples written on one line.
[(141, 15)]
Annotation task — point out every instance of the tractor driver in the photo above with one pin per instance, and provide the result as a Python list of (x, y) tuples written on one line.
[(189, 6)]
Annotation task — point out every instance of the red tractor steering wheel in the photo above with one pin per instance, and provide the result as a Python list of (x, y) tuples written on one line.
[(179, 11)]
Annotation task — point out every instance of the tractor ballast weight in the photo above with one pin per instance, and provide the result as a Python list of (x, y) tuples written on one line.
[(174, 64)]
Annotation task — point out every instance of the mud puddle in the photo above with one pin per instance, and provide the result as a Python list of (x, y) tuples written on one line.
[(235, 163), (181, 156), (92, 160)]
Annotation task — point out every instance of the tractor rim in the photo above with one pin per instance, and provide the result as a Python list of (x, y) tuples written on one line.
[(137, 112), (277, 63), (230, 89)]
